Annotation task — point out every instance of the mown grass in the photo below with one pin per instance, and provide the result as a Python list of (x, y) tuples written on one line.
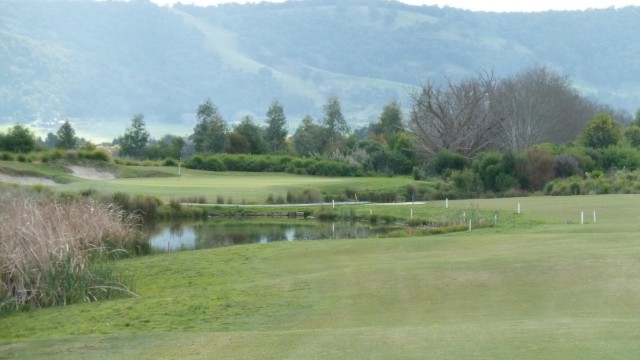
[(235, 187), (552, 291)]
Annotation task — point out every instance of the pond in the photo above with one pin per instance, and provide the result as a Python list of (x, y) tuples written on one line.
[(209, 234)]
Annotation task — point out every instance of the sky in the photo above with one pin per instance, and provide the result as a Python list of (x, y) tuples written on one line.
[(476, 5)]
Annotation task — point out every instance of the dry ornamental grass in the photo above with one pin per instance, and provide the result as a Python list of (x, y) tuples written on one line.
[(54, 253)]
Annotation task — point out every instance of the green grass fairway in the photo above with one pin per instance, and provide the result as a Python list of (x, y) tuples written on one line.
[(549, 291), (165, 183), (247, 187)]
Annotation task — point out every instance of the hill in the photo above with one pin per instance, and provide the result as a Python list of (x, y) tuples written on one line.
[(98, 63)]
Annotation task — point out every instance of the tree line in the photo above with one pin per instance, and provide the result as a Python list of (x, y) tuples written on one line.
[(471, 125)]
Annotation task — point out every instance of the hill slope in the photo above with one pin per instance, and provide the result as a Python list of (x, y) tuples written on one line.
[(109, 60)]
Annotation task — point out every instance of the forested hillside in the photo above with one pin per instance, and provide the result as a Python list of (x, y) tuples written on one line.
[(109, 60)]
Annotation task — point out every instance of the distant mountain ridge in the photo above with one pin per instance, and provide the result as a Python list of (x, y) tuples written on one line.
[(109, 60)]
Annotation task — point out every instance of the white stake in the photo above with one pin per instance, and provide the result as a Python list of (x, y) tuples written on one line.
[(412, 213), (495, 219), (594, 217), (518, 208), (582, 218), (446, 203), (469, 224), (333, 203)]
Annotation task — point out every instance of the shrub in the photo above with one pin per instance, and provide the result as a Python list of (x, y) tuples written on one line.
[(212, 163), (464, 180), (175, 204), (7, 156), (566, 165), (306, 196), (488, 165), (447, 160), (61, 257), (621, 157), (94, 154), (539, 168), (169, 162), (88, 192), (71, 155)]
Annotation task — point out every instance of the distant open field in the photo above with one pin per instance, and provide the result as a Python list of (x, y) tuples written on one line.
[(552, 290), (165, 183)]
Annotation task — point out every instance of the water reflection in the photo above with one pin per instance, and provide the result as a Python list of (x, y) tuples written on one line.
[(218, 233)]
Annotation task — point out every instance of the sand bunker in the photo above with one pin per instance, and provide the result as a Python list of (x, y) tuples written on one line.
[(90, 173), (26, 180)]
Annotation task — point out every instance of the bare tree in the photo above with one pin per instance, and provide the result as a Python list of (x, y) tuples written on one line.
[(457, 117), (538, 106)]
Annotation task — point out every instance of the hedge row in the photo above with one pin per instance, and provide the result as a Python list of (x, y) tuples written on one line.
[(272, 163)]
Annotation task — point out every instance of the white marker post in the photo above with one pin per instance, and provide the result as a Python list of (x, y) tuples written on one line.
[(333, 203), (594, 217), (446, 203), (518, 208), (582, 218), (411, 213), (469, 224), (495, 219)]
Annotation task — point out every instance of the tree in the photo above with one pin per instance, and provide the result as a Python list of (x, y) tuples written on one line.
[(237, 144), (390, 121), (538, 106), (135, 138), (66, 137), (177, 147), (632, 135), (601, 132), (211, 130), (309, 138), (334, 123), (252, 133), (18, 139), (457, 117), (51, 140), (276, 134), (636, 120), (169, 146)]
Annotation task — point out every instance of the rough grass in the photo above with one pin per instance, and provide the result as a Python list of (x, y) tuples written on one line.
[(50, 251), (552, 291)]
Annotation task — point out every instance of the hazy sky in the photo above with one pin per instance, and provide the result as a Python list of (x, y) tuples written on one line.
[(487, 5)]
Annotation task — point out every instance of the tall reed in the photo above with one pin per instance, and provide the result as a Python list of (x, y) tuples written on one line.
[(56, 253)]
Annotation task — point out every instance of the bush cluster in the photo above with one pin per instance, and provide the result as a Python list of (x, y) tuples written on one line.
[(544, 167), (272, 163)]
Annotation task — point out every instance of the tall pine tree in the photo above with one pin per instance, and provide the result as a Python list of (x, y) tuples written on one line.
[(276, 134), (66, 137)]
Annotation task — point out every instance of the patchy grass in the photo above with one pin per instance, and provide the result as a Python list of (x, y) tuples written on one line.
[(553, 291)]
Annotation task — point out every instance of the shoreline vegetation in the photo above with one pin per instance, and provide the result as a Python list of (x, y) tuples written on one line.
[(56, 252)]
